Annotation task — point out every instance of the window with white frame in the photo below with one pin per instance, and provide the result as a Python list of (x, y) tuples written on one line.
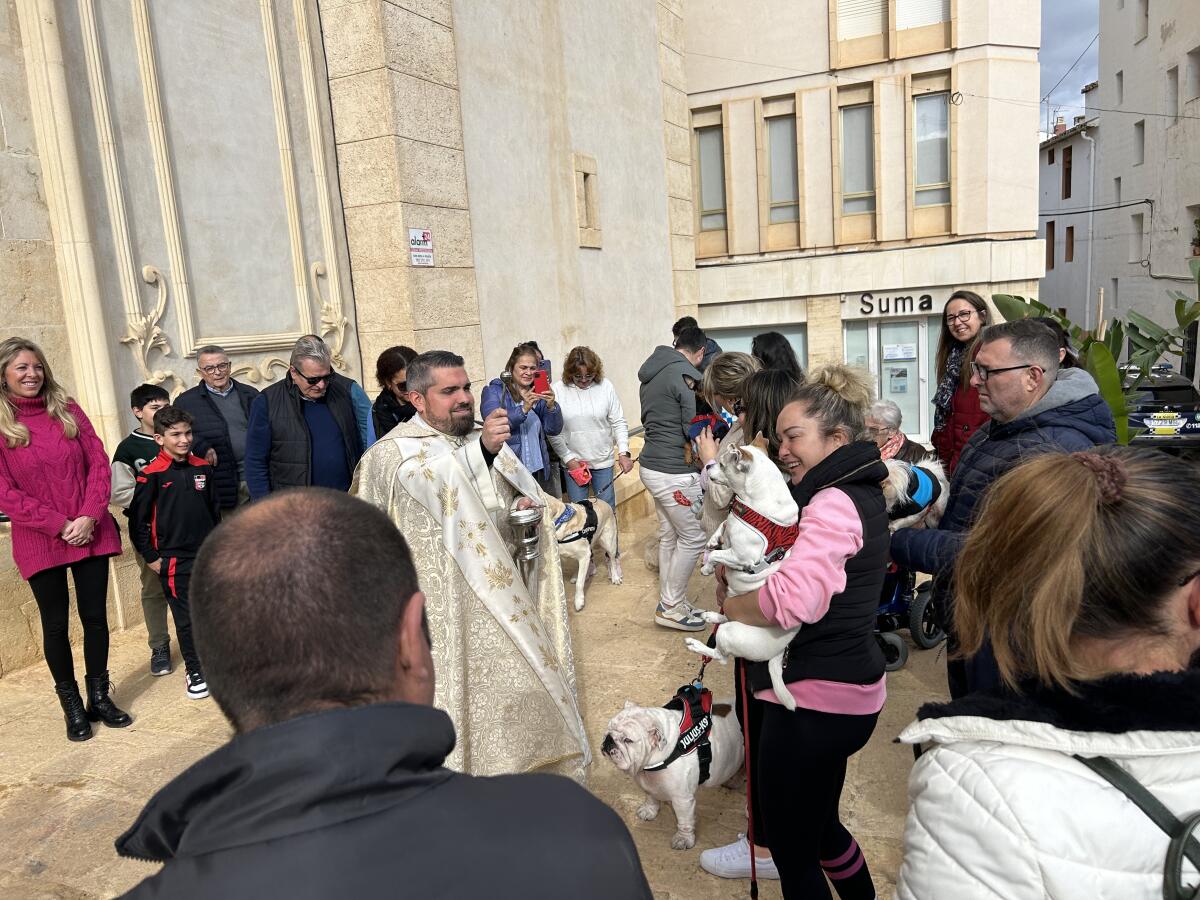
[(858, 159), (782, 171), (919, 13), (861, 18), (711, 146), (931, 156)]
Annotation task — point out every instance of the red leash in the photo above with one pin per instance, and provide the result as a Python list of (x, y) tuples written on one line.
[(749, 791)]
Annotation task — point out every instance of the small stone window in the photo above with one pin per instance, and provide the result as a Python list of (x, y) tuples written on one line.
[(587, 201)]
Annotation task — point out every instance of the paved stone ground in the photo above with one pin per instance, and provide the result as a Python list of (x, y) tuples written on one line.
[(62, 804)]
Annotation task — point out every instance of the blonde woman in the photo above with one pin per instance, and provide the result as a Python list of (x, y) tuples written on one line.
[(593, 421), (54, 487), (1026, 793)]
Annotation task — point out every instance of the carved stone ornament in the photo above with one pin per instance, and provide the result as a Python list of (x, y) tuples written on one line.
[(144, 336), (332, 320)]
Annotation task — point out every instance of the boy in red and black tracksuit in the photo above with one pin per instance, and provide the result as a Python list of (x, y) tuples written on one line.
[(174, 508)]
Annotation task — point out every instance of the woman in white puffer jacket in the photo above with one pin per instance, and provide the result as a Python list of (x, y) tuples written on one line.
[(1085, 572)]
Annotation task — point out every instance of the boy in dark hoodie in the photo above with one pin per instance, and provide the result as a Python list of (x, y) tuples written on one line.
[(175, 507), (668, 397)]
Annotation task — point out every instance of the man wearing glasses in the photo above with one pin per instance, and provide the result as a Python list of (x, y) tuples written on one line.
[(220, 409), (302, 430), (1035, 407)]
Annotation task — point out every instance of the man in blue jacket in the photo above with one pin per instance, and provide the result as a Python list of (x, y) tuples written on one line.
[(1036, 407)]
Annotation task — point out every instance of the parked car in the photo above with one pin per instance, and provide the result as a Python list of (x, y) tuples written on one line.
[(1167, 412)]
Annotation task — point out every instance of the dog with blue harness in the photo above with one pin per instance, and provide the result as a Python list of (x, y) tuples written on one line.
[(577, 527)]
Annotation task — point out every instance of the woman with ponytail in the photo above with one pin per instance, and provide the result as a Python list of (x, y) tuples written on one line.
[(1039, 789), (54, 487), (829, 586)]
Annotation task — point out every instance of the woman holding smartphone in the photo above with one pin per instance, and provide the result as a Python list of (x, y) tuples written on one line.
[(524, 393)]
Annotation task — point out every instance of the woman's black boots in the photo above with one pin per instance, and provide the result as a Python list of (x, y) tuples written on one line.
[(100, 707), (78, 727)]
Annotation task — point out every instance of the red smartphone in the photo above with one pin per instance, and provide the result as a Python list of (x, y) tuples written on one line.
[(541, 382)]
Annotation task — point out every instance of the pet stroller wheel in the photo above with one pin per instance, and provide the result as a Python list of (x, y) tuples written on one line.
[(923, 619), (895, 650)]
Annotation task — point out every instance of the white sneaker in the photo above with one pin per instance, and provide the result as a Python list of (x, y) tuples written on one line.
[(681, 617), (733, 861), (197, 687)]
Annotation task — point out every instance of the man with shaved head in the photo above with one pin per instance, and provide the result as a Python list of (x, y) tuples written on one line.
[(318, 653)]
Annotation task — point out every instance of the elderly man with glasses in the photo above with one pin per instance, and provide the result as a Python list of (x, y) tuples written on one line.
[(303, 430), (1035, 407), (220, 409)]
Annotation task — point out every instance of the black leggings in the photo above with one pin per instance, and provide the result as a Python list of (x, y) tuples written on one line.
[(91, 595), (801, 769)]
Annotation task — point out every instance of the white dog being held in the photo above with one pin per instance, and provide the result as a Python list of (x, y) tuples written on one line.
[(571, 519), (638, 737), (755, 536), (915, 495)]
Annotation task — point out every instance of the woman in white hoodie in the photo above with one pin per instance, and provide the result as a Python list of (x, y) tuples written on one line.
[(593, 422), (1084, 570)]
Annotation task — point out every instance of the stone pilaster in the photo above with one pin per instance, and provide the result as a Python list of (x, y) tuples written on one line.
[(678, 145), (824, 330), (393, 83)]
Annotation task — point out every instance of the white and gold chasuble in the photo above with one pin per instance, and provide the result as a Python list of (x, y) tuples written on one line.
[(502, 652)]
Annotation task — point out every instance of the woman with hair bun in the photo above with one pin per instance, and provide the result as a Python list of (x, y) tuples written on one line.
[(1026, 792), (54, 487), (829, 586)]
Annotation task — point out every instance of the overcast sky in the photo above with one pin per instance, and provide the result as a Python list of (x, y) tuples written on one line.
[(1067, 26)]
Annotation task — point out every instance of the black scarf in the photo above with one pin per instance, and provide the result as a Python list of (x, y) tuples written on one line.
[(947, 386), (856, 462)]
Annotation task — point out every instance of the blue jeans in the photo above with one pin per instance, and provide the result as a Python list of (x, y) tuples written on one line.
[(602, 484)]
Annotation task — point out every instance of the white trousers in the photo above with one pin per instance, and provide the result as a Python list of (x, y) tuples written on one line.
[(681, 538)]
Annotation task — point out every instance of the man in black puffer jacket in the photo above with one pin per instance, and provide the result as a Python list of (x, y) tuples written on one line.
[(303, 429), (220, 409), (334, 784), (1035, 408)]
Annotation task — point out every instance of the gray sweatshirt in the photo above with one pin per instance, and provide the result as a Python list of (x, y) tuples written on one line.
[(668, 406)]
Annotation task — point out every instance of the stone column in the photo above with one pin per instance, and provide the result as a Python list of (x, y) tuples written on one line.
[(824, 330), (677, 139), (393, 83)]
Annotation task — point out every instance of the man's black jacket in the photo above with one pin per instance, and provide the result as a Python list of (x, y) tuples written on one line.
[(210, 431), (356, 803)]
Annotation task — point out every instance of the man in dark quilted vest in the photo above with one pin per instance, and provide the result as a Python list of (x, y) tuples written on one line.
[(302, 429), (1035, 407)]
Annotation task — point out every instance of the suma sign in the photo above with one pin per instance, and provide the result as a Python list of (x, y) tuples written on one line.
[(895, 304)]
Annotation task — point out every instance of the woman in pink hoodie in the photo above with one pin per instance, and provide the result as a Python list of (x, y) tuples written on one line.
[(829, 587), (54, 487)]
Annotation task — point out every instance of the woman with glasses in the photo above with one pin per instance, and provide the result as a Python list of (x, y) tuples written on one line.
[(532, 416), (391, 407), (883, 427), (1042, 790), (956, 413), (593, 421), (723, 382)]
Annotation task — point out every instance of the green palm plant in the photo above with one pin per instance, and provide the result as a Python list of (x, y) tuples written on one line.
[(1101, 349)]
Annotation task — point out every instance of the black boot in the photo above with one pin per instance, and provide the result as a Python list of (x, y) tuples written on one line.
[(100, 708), (78, 727)]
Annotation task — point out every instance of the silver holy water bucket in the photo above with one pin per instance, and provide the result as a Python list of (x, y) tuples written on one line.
[(526, 525)]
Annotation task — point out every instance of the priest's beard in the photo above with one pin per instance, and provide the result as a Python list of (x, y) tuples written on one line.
[(459, 423)]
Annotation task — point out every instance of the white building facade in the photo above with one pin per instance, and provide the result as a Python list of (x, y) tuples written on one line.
[(855, 162), (1148, 166), (1067, 171)]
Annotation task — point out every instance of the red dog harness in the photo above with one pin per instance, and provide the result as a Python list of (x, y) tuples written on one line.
[(779, 538), (696, 705)]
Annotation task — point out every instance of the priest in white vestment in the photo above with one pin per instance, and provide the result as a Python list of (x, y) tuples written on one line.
[(502, 650)]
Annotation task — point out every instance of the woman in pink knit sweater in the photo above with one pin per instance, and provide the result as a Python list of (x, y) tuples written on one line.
[(54, 487)]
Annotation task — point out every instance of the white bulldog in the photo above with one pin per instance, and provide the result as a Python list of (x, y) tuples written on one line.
[(761, 496), (638, 737), (580, 549)]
